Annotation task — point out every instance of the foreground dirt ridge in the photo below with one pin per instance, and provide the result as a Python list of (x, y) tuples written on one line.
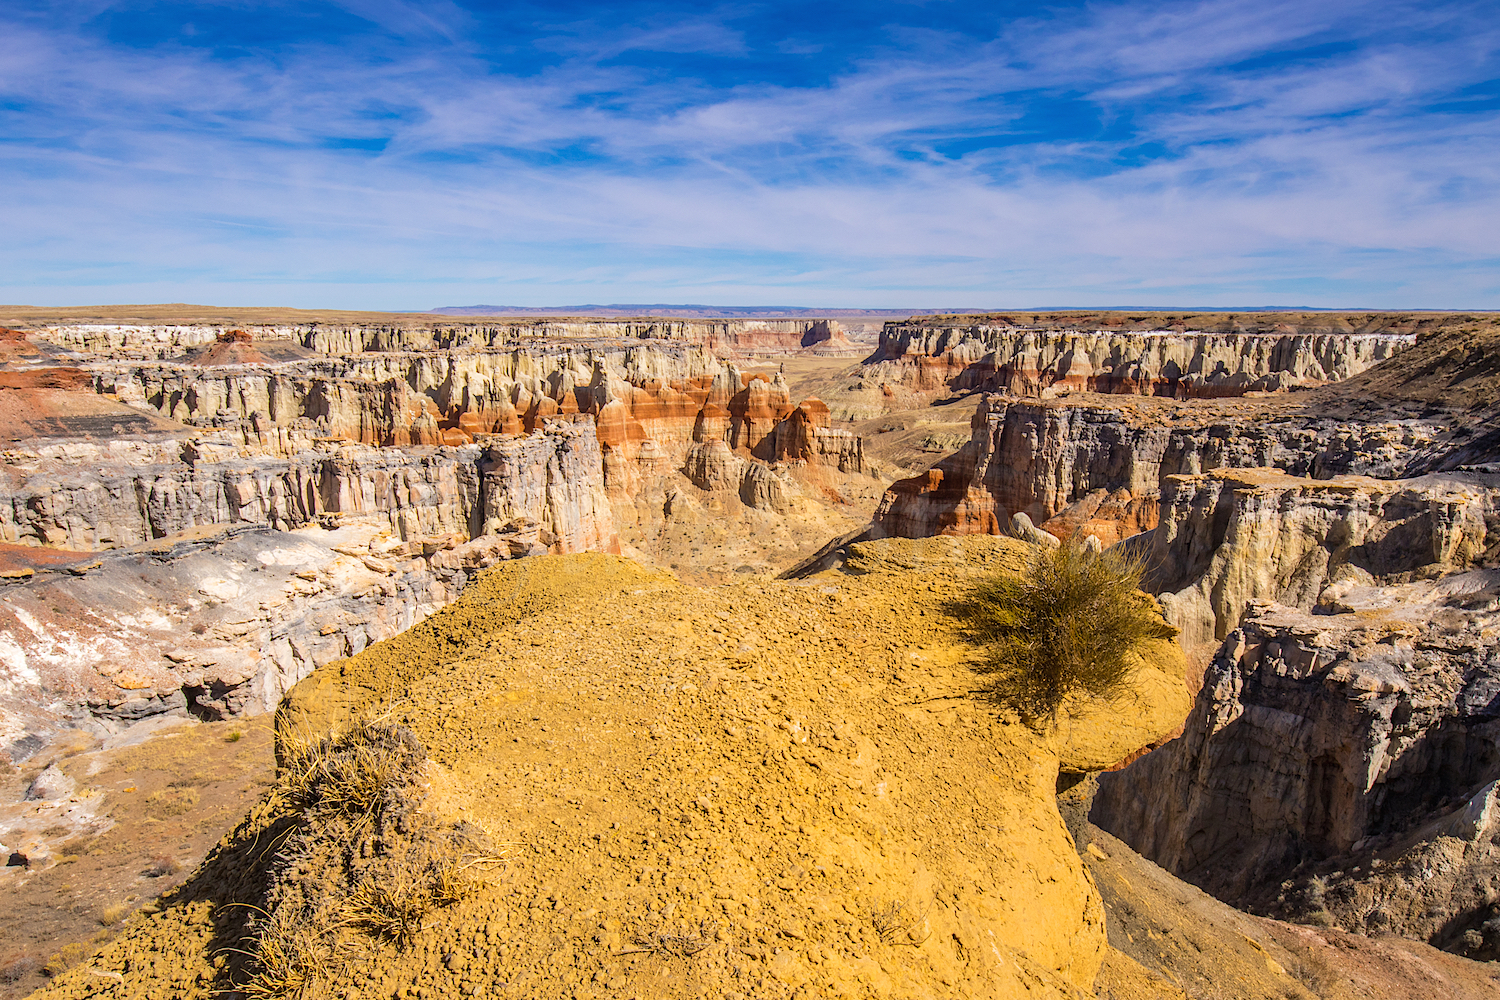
[(767, 789)]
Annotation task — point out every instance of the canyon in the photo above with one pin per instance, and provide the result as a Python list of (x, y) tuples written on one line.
[(420, 467), (201, 521)]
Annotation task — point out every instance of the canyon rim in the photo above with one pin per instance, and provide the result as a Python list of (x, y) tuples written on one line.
[(665, 609)]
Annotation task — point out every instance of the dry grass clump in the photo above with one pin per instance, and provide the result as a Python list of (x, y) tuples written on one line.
[(162, 864), (171, 802), (291, 962), (114, 913), (452, 882), (395, 914), (1067, 625), (352, 772), (69, 956), (395, 908), (358, 864)]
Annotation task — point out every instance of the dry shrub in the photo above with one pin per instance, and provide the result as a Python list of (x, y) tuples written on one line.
[(357, 854), (891, 921), (392, 912), (1067, 625), (69, 956), (1312, 969), (18, 967), (291, 962), (452, 883), (163, 864), (353, 772)]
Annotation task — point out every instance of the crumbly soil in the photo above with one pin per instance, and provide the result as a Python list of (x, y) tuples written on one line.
[(140, 819), (766, 789)]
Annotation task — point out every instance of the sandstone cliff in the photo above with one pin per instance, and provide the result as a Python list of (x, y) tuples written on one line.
[(214, 625), (89, 495), (650, 405), (1234, 535), (757, 336), (1340, 767), (1041, 457), (996, 357)]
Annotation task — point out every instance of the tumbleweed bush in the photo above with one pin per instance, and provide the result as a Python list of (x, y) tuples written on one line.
[(1068, 624)]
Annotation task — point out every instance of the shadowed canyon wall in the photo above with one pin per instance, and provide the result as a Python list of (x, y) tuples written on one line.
[(1342, 760)]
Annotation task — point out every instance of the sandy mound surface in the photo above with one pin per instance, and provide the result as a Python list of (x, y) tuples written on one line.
[(765, 789)]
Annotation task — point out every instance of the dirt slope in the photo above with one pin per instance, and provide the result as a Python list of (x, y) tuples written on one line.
[(764, 789), (1189, 944), (1454, 367), (140, 814)]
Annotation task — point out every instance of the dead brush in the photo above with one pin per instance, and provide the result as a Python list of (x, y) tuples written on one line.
[(351, 772), (452, 884), (892, 921), (679, 944), (1313, 970)]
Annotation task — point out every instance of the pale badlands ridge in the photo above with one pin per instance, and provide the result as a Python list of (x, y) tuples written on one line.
[(439, 451)]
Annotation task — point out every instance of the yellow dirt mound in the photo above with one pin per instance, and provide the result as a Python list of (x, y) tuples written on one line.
[(765, 789)]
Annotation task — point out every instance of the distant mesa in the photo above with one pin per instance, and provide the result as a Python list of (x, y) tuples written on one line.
[(238, 347), (689, 311), (700, 311)]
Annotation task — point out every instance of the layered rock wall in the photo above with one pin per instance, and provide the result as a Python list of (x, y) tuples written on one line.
[(654, 408), (661, 399), (990, 357), (1235, 535), (1340, 767), (1039, 458), (732, 336), (88, 496), (214, 626)]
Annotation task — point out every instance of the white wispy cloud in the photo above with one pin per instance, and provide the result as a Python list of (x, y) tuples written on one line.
[(422, 166)]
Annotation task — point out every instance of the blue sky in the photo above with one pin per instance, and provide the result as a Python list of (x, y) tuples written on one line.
[(388, 155)]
